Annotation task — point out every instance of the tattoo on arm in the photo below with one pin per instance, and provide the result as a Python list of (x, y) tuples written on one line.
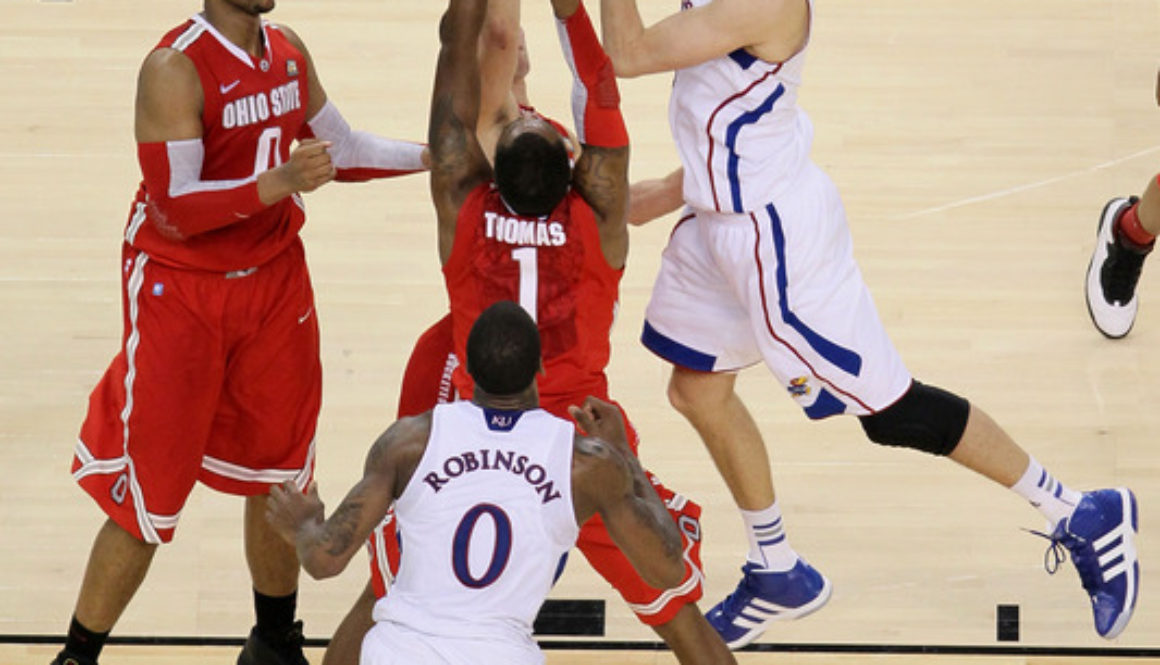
[(603, 179), (342, 526), (446, 134)]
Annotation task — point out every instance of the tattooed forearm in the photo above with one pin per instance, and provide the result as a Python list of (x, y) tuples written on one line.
[(341, 529), (601, 177), (653, 513), (447, 134)]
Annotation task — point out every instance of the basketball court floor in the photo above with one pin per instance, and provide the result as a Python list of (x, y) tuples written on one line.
[(974, 143)]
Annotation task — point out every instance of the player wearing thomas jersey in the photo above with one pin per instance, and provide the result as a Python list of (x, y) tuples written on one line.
[(490, 493), (525, 235), (761, 268), (553, 265), (218, 379)]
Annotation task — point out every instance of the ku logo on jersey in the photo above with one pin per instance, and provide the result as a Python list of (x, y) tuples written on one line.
[(799, 387)]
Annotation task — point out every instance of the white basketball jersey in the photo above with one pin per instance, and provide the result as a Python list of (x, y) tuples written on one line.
[(738, 128), (483, 523)]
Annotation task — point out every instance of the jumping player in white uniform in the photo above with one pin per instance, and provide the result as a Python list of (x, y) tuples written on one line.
[(761, 268), (489, 494)]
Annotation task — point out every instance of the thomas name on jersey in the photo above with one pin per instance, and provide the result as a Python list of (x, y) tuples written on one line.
[(494, 460), (258, 107), (516, 231)]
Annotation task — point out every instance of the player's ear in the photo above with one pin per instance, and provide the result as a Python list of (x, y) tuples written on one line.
[(541, 371)]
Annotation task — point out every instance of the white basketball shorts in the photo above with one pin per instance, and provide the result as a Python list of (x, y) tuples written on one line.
[(781, 285), (389, 643)]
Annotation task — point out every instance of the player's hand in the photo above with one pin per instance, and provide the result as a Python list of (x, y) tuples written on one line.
[(288, 509), (602, 420), (309, 167)]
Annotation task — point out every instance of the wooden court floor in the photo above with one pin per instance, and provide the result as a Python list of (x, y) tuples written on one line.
[(222, 656), (974, 142)]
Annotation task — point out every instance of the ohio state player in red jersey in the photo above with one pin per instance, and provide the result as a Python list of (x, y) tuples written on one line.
[(554, 240), (218, 379)]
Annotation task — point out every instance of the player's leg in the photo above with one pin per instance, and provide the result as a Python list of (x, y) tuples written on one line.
[(117, 565), (141, 444), (276, 638), (347, 641), (672, 613), (1125, 235), (1098, 528), (696, 321), (853, 368), (263, 434), (383, 546), (693, 640), (707, 400)]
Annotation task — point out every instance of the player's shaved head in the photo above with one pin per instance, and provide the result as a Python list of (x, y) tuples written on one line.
[(503, 349), (531, 166)]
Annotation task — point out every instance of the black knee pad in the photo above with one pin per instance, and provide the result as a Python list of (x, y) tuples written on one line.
[(925, 418)]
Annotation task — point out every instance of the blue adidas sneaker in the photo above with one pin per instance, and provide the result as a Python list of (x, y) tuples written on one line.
[(1101, 536), (764, 596)]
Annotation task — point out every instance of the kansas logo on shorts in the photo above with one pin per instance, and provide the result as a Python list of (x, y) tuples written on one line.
[(799, 387)]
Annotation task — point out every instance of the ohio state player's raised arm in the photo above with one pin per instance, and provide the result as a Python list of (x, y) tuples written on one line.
[(357, 155), (170, 151), (458, 164), (499, 46), (699, 33), (326, 545), (601, 173)]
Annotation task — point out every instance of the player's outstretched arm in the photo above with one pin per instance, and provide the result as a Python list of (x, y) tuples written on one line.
[(499, 46), (608, 479), (654, 197), (692, 36), (458, 164), (601, 174), (357, 155), (325, 546)]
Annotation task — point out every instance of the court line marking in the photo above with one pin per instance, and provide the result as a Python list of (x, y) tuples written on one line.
[(1028, 186)]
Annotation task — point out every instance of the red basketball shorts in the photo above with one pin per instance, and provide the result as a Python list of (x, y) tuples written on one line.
[(422, 390), (218, 380)]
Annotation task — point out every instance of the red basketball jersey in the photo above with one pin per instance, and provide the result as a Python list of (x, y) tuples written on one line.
[(254, 109), (554, 267)]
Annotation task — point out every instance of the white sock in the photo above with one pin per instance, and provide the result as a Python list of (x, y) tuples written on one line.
[(1046, 493), (768, 545)]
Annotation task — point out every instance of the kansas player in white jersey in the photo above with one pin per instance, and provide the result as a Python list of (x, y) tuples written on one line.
[(489, 495), (491, 504), (761, 268)]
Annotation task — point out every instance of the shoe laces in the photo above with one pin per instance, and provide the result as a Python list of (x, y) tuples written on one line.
[(1121, 272), (1082, 555), (738, 600)]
